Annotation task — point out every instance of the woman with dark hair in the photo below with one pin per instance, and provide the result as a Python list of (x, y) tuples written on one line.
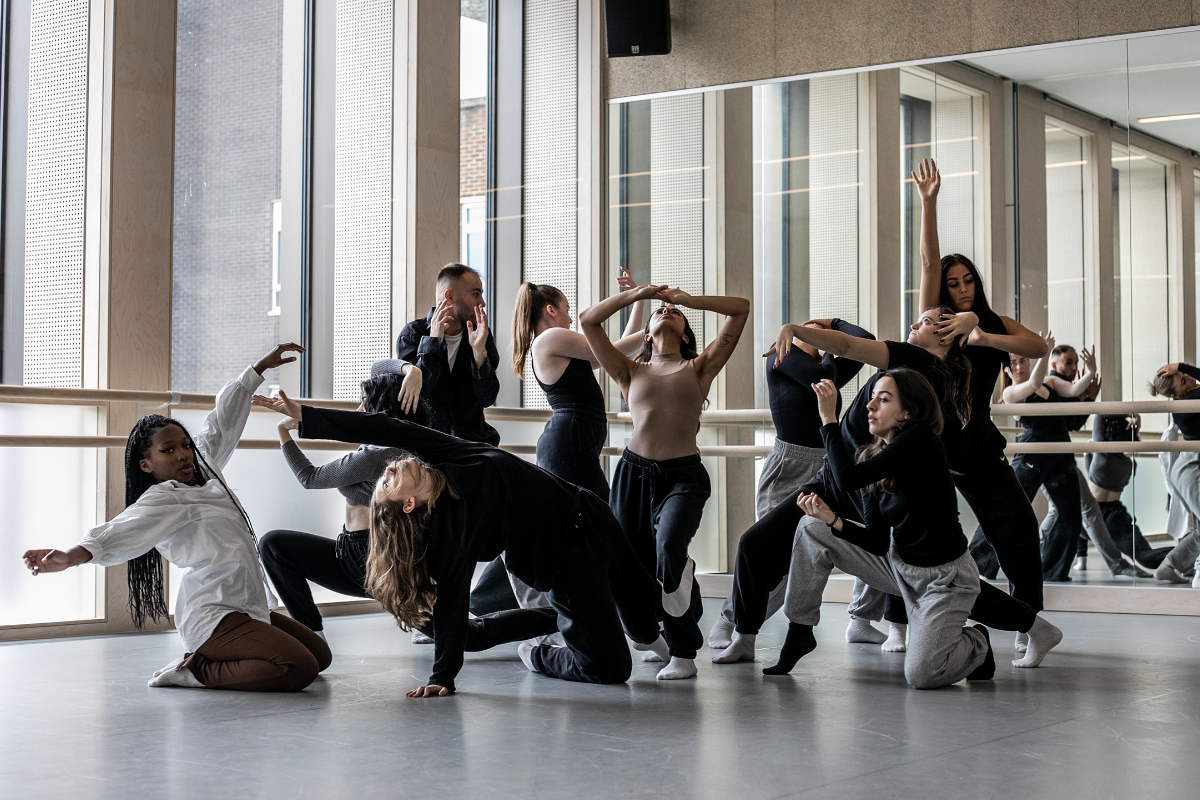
[(464, 502), (911, 545), (981, 471), (179, 505), (563, 361), (660, 486), (293, 558)]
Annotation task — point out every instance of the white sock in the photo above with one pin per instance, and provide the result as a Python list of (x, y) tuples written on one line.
[(420, 638), (651, 657), (172, 675), (1022, 642), (678, 602), (658, 647), (1080, 564), (1043, 637), (721, 635), (322, 635), (740, 649), (678, 669), (861, 631), (1196, 580), (896, 639), (525, 651)]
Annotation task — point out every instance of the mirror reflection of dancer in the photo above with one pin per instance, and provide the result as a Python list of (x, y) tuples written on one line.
[(911, 545), (798, 451), (464, 502), (981, 472), (178, 504), (570, 444), (764, 550), (292, 558), (1182, 382), (660, 486)]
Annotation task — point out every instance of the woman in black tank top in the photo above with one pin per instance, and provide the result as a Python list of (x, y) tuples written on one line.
[(570, 444)]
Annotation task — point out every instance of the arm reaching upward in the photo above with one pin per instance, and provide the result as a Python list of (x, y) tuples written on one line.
[(928, 180), (1080, 385), (736, 311), (1019, 392)]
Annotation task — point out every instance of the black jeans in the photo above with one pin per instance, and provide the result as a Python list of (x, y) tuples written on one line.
[(1128, 536), (570, 446), (1056, 473), (599, 589), (764, 555), (292, 559), (1007, 536), (659, 505)]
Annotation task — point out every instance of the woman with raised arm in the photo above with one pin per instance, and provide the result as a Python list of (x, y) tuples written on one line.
[(981, 471), (911, 545), (660, 486), (293, 558), (563, 361), (434, 519), (179, 505), (798, 451)]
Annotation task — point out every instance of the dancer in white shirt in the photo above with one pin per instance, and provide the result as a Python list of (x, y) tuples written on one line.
[(179, 504)]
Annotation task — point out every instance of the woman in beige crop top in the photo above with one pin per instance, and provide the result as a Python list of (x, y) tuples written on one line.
[(660, 486)]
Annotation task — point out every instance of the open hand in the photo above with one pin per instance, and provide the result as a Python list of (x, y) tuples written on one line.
[(275, 358), (442, 317), (815, 507), (827, 393), (410, 390), (477, 334), (1093, 391), (432, 690), (625, 282), (1048, 338), (280, 405), (1089, 358), (952, 326), (928, 179)]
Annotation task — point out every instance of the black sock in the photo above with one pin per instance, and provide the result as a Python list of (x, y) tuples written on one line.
[(987, 669), (799, 643)]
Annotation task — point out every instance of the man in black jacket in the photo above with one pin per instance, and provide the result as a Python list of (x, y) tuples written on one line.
[(454, 382)]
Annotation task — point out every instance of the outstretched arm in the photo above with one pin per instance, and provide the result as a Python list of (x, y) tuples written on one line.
[(591, 320), (1080, 385), (1015, 339), (842, 345), (929, 182), (1019, 392)]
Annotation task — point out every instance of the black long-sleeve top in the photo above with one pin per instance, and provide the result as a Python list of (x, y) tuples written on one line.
[(504, 504), (922, 513), (454, 399), (1189, 424), (980, 439), (789, 386), (1045, 429)]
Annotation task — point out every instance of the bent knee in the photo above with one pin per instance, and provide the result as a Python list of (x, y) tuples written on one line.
[(925, 678), (299, 674), (268, 541)]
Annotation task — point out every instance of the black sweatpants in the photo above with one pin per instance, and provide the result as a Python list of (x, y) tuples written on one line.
[(1007, 536), (599, 589), (1128, 536), (765, 553), (570, 446), (292, 559), (659, 505), (1057, 474)]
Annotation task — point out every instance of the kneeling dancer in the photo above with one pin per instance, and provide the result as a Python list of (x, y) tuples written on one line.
[(924, 560), (464, 502), (178, 504)]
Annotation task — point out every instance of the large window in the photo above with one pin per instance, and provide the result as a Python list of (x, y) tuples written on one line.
[(941, 120), (227, 185), (1069, 233), (472, 139)]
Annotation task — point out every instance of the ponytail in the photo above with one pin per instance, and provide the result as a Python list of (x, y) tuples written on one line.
[(532, 301)]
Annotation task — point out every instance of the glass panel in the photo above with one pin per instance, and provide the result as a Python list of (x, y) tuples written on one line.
[(225, 297), (472, 169), (36, 512), (942, 120), (1068, 232)]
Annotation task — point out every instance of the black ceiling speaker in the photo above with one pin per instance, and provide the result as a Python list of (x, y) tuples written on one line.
[(638, 27)]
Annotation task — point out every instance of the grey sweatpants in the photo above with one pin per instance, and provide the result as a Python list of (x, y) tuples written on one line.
[(785, 469), (1184, 482), (1093, 524), (938, 600)]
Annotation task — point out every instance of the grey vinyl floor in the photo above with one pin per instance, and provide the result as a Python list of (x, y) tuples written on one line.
[(1114, 713)]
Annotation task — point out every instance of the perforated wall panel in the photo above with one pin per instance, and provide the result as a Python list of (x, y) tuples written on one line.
[(677, 197), (56, 171), (362, 191), (551, 155)]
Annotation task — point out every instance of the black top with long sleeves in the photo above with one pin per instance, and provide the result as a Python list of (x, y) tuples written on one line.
[(789, 386), (922, 513), (504, 504), (453, 399), (980, 438)]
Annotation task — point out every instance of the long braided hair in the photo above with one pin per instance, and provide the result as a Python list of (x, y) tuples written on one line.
[(145, 573)]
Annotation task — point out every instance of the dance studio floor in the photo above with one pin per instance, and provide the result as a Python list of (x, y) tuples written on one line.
[(1115, 712)]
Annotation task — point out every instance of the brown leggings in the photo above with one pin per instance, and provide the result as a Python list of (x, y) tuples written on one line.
[(246, 655)]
